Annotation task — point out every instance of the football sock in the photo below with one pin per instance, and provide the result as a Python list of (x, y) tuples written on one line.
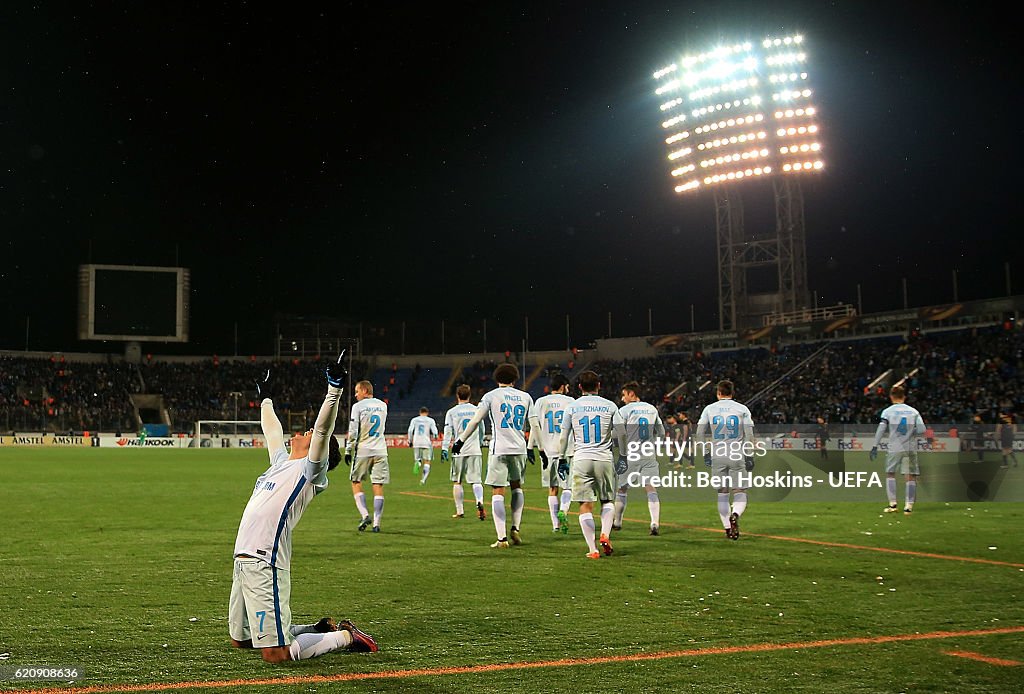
[(378, 509), (498, 514), (518, 502), (654, 506), (723, 509), (739, 503), (460, 496), (297, 629), (361, 504), (587, 523), (607, 515), (426, 472), (911, 492), (620, 507), (311, 645), (890, 489), (553, 509), (566, 500), (478, 493)]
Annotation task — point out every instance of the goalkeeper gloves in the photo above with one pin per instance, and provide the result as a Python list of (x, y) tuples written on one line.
[(620, 465), (544, 459), (348, 459), (264, 387), (748, 463), (874, 453), (444, 455), (531, 456), (337, 375), (457, 447), (707, 460), (563, 468)]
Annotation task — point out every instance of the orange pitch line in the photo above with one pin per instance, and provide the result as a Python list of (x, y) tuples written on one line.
[(971, 655), (498, 667), (786, 538)]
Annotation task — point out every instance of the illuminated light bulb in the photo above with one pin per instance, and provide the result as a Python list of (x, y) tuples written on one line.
[(812, 129), (819, 164)]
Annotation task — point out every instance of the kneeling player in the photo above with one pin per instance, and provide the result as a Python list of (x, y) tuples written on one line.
[(259, 611)]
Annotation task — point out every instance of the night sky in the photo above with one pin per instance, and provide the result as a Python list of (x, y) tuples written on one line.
[(383, 160)]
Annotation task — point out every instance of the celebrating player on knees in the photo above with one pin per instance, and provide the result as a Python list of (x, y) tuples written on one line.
[(259, 610)]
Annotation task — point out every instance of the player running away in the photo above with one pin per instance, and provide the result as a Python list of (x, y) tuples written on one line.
[(259, 613)]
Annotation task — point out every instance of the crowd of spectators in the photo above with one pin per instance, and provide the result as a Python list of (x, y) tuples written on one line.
[(59, 395), (951, 378)]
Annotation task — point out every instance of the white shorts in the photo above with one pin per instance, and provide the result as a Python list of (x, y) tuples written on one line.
[(593, 480), (423, 453), (724, 467), (549, 478), (376, 467), (646, 468), (503, 469), (904, 462), (259, 607), (467, 468)]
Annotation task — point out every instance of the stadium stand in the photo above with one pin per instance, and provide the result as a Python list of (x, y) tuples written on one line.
[(951, 376)]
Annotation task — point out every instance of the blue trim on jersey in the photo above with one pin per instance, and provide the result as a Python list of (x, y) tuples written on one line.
[(277, 610), (284, 519)]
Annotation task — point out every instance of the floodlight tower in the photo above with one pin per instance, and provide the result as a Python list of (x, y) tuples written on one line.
[(737, 115)]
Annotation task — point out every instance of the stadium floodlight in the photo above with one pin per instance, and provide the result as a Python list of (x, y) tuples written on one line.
[(711, 100)]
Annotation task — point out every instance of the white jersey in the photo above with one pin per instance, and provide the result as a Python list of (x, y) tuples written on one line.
[(642, 424), (366, 428), (422, 431), (593, 422), (546, 424), (455, 422), (508, 408), (730, 425), (903, 423), (278, 501)]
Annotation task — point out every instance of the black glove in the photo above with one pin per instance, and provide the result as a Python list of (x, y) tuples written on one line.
[(563, 468), (544, 459), (621, 466), (531, 456), (348, 459), (337, 375), (874, 452), (264, 387), (748, 463), (457, 447), (707, 460)]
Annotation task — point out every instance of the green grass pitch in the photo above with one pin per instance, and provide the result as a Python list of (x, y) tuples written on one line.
[(119, 561)]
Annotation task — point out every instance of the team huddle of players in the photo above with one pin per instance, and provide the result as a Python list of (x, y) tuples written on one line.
[(581, 444)]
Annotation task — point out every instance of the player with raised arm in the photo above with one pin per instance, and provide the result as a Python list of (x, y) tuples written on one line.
[(594, 422), (507, 407), (422, 432), (903, 423), (259, 610), (367, 452), (732, 430), (642, 425), (467, 466), (545, 430)]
